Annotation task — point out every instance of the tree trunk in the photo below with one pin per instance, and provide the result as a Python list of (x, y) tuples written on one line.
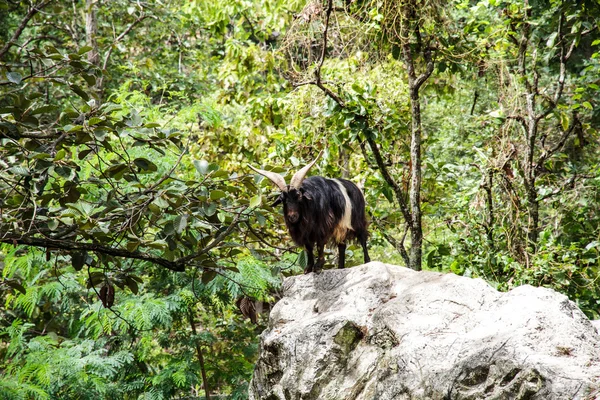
[(414, 84), (345, 163), (530, 173), (533, 208), (416, 232), (200, 356), (91, 31), (489, 205)]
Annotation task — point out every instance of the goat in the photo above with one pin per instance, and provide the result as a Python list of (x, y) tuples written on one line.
[(318, 210)]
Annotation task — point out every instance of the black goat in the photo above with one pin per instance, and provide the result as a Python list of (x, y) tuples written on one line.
[(320, 210)]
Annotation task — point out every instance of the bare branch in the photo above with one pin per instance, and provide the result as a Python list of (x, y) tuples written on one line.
[(400, 195), (547, 153), (520, 119), (398, 245), (318, 82)]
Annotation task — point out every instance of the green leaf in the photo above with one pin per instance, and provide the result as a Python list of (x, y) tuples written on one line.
[(217, 194), (80, 92), (564, 121), (60, 155), (212, 167), (90, 79), (116, 170), (19, 170), (132, 245), (135, 119), (84, 50), (430, 258), (180, 223), (72, 128), (587, 105), (96, 278), (111, 107), (255, 201), (201, 166), (82, 154), (144, 164), (161, 202), (303, 259), (51, 50), (78, 260), (100, 133), (262, 220), (157, 244), (14, 77), (53, 224), (94, 121), (551, 39), (131, 284), (9, 129), (208, 275), (211, 209), (43, 110)]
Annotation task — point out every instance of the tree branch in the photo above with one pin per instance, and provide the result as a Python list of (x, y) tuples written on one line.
[(547, 153), (428, 69), (390, 180), (13, 40), (318, 82), (112, 46), (50, 243), (70, 245), (398, 245), (569, 183)]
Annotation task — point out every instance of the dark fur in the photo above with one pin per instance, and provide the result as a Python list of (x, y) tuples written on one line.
[(319, 207)]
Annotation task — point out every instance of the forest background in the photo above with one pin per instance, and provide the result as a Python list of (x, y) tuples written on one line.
[(131, 227)]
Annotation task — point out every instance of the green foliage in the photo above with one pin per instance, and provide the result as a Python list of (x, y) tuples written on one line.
[(104, 167), (130, 224)]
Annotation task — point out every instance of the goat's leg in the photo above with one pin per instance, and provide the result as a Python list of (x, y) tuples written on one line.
[(310, 263), (363, 242), (321, 257), (341, 255)]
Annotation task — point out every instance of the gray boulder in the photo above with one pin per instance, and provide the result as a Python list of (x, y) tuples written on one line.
[(382, 332)]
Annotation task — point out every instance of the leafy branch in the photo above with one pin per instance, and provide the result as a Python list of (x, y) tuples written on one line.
[(33, 10)]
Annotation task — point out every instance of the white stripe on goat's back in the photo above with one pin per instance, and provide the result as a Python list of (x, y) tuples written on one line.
[(345, 224)]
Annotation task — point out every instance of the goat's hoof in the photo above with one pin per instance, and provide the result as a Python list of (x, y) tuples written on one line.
[(308, 270), (318, 267)]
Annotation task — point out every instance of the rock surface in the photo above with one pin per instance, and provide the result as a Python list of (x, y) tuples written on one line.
[(382, 332)]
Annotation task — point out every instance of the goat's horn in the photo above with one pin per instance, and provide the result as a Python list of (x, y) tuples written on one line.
[(299, 176), (274, 177)]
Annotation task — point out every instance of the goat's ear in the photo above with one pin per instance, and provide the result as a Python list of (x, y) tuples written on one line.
[(277, 201), (306, 194)]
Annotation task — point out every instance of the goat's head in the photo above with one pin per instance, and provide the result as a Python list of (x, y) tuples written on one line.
[(291, 195)]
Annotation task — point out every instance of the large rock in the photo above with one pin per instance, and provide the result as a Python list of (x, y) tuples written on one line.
[(383, 332)]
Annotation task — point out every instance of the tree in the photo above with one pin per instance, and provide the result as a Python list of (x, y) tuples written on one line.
[(113, 197), (407, 33)]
